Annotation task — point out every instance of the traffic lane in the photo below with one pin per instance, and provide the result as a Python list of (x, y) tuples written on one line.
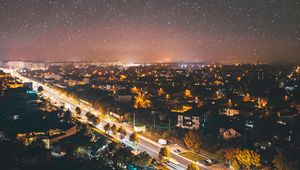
[(155, 149), (154, 153), (184, 161)]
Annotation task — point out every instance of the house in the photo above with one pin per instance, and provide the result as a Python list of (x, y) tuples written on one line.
[(34, 156), (188, 122), (119, 110), (56, 137), (14, 85), (249, 124), (122, 96), (86, 80), (228, 134), (28, 85), (192, 118), (288, 116)]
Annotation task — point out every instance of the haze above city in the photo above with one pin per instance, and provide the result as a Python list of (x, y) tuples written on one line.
[(150, 31)]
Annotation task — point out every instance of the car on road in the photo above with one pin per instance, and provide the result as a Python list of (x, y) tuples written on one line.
[(177, 151), (162, 141), (171, 142), (227, 165), (172, 163), (207, 162), (154, 162)]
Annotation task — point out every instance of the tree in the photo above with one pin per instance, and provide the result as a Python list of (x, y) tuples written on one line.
[(78, 110), (188, 93), (230, 154), (248, 158), (143, 160), (62, 108), (96, 120), (127, 117), (235, 165), (114, 129), (80, 153), (86, 129), (141, 101), (164, 152), (167, 134), (281, 161), (40, 89), (93, 118), (122, 131), (193, 166), (107, 128), (219, 154), (123, 157), (68, 115), (112, 149), (89, 116), (134, 90), (192, 140), (134, 138)]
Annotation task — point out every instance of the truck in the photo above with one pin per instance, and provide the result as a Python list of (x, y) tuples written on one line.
[(162, 141)]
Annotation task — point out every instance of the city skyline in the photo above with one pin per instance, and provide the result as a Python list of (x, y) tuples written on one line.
[(150, 31)]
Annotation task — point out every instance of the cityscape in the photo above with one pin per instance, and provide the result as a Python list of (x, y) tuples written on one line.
[(146, 85)]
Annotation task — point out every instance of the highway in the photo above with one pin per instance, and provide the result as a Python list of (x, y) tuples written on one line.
[(145, 144)]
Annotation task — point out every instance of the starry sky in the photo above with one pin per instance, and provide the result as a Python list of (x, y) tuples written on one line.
[(150, 30)]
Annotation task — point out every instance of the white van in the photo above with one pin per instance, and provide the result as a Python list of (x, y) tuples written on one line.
[(162, 141)]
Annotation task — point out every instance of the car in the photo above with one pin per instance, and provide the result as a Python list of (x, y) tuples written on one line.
[(129, 148), (207, 162), (177, 150), (154, 162), (171, 142), (123, 145), (162, 141), (227, 165)]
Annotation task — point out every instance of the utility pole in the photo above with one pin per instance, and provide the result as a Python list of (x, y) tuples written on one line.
[(154, 118), (154, 123), (133, 120), (169, 123)]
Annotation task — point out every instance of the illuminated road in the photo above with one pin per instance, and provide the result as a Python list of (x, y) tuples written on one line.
[(145, 144)]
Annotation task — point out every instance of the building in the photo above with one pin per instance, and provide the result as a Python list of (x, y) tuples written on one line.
[(15, 65), (86, 80), (230, 112), (123, 96), (56, 137), (25, 65), (50, 137), (52, 77), (228, 134), (15, 85), (28, 85), (192, 118), (188, 122), (35, 156), (119, 110)]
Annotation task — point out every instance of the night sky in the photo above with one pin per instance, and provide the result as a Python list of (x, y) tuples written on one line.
[(150, 31)]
